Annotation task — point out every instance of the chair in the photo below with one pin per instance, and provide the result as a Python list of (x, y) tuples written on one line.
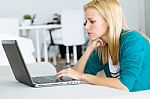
[(9, 30), (72, 32)]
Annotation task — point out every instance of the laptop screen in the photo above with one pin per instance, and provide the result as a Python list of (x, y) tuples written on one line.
[(16, 61)]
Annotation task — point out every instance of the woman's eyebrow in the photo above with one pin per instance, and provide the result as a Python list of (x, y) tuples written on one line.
[(89, 18)]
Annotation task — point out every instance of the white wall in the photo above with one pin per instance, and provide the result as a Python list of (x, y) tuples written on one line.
[(147, 17), (142, 16), (130, 8), (43, 8)]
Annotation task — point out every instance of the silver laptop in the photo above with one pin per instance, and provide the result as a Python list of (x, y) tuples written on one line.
[(21, 73)]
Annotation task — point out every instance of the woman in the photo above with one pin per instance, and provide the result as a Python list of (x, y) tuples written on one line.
[(122, 54)]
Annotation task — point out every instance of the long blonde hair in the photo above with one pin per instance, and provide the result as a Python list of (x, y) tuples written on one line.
[(112, 13)]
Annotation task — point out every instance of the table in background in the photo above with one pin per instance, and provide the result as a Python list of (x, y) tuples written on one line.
[(37, 28)]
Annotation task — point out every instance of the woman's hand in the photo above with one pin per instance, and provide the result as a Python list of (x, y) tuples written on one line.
[(69, 72), (96, 43)]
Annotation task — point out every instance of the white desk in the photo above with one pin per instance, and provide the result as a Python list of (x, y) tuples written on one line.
[(37, 28), (12, 89)]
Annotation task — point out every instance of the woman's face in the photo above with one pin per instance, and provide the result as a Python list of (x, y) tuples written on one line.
[(96, 25)]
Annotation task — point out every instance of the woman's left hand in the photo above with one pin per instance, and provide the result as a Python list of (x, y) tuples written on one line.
[(69, 72)]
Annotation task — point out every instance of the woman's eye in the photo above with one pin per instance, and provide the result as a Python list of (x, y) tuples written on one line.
[(89, 21), (92, 21)]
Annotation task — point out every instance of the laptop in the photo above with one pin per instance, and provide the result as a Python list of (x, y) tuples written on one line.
[(21, 72)]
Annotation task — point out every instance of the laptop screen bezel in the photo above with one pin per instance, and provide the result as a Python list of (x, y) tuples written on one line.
[(16, 62)]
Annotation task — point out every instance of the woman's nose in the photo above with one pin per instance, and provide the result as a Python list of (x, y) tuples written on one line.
[(87, 25)]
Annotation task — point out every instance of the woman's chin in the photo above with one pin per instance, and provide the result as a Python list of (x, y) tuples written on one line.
[(92, 38)]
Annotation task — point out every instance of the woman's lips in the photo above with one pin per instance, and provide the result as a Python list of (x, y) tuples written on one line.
[(90, 34)]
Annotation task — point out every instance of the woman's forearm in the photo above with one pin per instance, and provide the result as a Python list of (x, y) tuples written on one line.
[(103, 81), (79, 67)]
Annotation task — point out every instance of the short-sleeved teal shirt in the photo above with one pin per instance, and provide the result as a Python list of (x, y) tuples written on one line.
[(134, 61)]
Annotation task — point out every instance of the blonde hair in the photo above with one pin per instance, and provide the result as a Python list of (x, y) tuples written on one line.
[(112, 13)]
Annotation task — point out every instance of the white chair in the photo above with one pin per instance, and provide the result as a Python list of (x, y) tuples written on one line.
[(72, 32), (25, 45), (9, 30)]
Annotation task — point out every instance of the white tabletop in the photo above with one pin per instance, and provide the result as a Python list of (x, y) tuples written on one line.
[(12, 89), (38, 26)]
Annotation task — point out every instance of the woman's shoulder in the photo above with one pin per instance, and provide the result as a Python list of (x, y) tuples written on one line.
[(127, 33), (130, 35), (131, 38)]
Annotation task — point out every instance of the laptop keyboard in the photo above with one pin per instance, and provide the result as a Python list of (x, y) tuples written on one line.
[(44, 79)]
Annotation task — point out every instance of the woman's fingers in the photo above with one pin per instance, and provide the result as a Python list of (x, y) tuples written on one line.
[(61, 75), (68, 72), (63, 72), (97, 42), (100, 43)]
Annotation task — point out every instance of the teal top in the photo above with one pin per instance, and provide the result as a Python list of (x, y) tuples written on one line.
[(134, 62)]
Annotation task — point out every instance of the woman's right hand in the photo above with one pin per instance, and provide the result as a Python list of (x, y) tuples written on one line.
[(96, 43)]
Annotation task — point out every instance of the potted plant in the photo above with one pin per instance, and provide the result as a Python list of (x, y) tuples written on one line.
[(27, 19), (27, 16)]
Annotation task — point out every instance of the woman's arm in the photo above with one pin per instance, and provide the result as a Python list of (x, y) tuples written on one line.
[(79, 67), (92, 79), (103, 81)]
